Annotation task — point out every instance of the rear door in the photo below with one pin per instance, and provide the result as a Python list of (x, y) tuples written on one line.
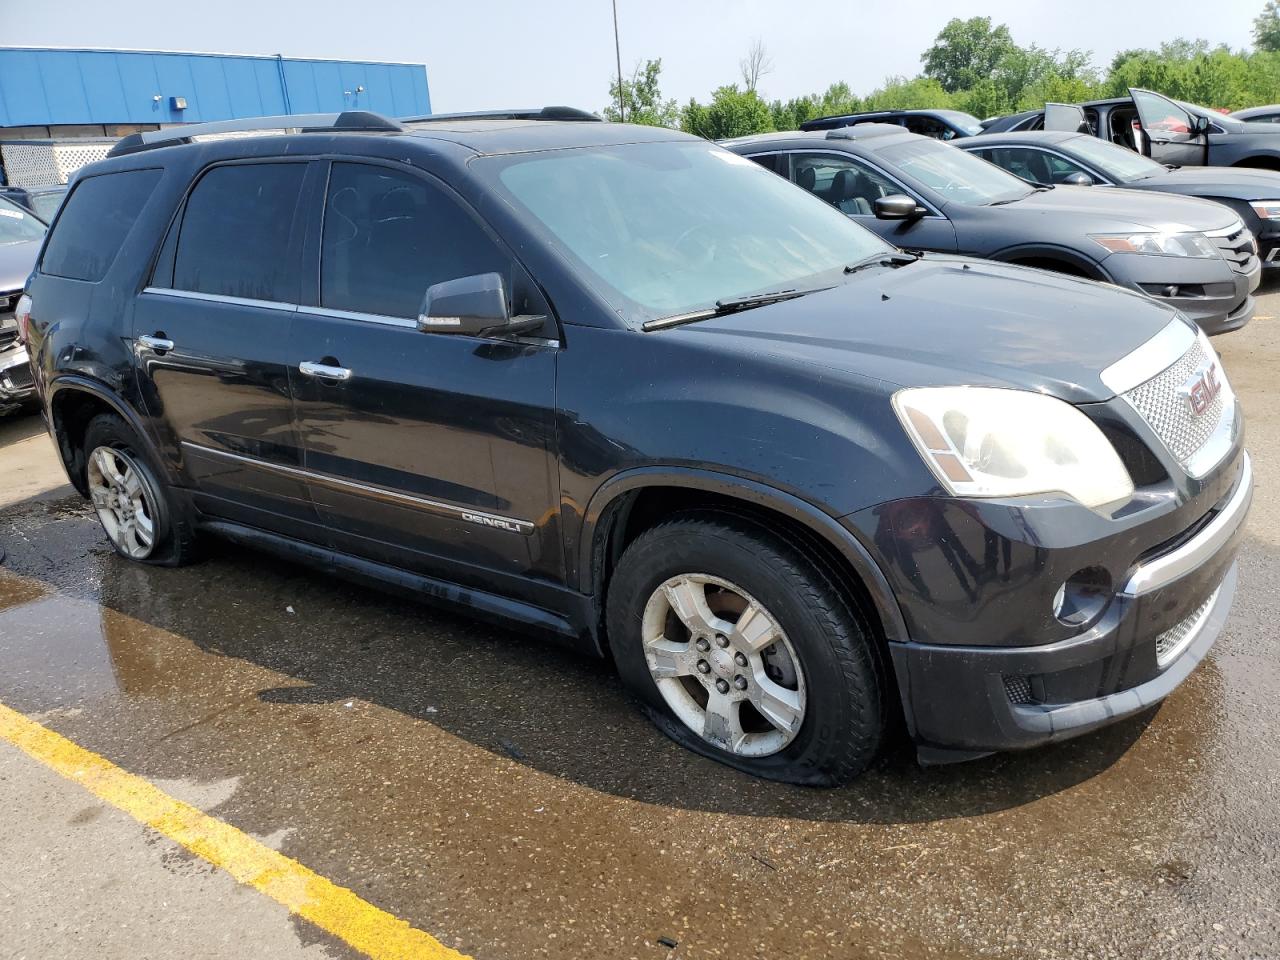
[(1066, 117), (426, 450), (1169, 130), (211, 334), (853, 186)]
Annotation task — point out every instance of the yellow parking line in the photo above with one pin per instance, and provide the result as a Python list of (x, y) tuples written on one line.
[(330, 907)]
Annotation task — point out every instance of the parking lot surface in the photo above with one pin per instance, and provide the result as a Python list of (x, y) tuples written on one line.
[(504, 798)]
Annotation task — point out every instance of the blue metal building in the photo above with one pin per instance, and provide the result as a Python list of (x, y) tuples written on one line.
[(51, 92)]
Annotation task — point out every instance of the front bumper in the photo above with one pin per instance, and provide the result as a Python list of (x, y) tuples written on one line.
[(16, 383), (966, 700), (1210, 292)]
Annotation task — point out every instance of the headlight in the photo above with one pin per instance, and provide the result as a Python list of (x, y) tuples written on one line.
[(1267, 209), (1160, 244), (989, 442)]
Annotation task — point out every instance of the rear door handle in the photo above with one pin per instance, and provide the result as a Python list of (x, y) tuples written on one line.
[(323, 371), (158, 344)]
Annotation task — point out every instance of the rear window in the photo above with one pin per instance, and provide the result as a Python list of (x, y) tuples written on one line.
[(98, 217), (236, 234)]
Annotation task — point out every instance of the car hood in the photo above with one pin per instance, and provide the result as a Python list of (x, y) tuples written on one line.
[(1113, 210), (948, 321), (17, 260), (1238, 182)]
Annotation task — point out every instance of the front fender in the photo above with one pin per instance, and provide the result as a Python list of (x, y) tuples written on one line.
[(1049, 251)]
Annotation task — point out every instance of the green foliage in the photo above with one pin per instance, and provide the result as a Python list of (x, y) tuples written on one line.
[(642, 99), (965, 51), (899, 93), (1266, 28), (731, 113)]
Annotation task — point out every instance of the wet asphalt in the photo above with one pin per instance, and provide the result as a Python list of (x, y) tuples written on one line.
[(504, 795)]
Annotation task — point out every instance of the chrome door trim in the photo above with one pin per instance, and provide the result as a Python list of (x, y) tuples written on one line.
[(478, 517), (383, 319), (220, 298)]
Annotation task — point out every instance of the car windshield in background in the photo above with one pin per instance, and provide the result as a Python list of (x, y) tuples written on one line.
[(1229, 124), (46, 204), (965, 121), (671, 228), (17, 225), (1115, 161), (955, 175)]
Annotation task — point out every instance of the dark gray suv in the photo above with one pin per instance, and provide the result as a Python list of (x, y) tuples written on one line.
[(919, 193)]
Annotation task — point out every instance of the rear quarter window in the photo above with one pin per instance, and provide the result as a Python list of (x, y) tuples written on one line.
[(99, 214)]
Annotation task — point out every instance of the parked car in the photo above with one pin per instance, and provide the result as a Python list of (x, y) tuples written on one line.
[(42, 201), (939, 124), (1053, 158), (918, 193), (1166, 130), (1268, 114), (616, 385), (20, 237)]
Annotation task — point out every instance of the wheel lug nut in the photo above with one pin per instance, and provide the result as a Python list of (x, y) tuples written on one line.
[(702, 644), (740, 682), (722, 685), (740, 659), (704, 667), (721, 640)]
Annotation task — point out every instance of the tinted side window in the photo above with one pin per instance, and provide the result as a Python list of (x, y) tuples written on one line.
[(98, 217), (389, 235), (777, 162), (928, 127), (848, 185), (235, 238)]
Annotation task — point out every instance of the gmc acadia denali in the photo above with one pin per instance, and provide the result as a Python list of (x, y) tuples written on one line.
[(618, 386)]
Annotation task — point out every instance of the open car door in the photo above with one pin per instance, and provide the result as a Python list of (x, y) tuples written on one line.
[(1067, 117), (1172, 134)]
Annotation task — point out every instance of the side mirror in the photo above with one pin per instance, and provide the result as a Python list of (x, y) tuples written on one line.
[(472, 306), (898, 206), (1078, 179), (1199, 125)]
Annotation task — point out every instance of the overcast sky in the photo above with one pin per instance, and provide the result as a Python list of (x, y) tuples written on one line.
[(516, 53)]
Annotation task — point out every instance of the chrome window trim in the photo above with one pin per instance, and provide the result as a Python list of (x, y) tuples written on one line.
[(933, 214), (380, 318), (467, 514), (1164, 570), (222, 298), (1151, 358)]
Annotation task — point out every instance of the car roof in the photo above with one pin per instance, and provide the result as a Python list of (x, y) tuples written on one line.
[(1024, 136), (864, 134), (491, 137)]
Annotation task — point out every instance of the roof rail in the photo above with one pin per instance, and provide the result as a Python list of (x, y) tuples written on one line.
[(533, 113), (349, 120)]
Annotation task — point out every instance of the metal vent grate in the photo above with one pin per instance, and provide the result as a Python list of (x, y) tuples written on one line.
[(1171, 643), (1018, 688), (1163, 403)]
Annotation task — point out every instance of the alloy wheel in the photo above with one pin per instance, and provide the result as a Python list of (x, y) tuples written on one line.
[(123, 501)]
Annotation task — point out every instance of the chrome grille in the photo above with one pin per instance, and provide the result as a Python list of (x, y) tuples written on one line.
[(1237, 246), (1163, 403), (1178, 637), (8, 322)]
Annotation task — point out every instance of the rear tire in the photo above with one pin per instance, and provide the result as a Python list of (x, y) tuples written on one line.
[(137, 509), (743, 651)]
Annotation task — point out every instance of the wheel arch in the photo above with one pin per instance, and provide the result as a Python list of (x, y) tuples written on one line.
[(72, 401), (1259, 162), (1053, 258), (634, 500)]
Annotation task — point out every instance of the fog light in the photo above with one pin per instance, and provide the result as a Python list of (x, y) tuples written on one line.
[(1083, 597)]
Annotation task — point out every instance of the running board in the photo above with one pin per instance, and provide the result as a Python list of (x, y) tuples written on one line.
[(490, 607)]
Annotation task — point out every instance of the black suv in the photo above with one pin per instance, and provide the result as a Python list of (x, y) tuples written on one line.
[(937, 124), (621, 387)]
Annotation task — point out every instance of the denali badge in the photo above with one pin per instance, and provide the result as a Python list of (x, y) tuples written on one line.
[(1201, 389), (509, 525)]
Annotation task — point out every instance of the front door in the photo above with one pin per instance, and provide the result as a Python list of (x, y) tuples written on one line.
[(425, 450), (211, 333), (1170, 131), (853, 187)]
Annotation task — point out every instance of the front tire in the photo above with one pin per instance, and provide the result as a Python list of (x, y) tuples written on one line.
[(742, 650), (136, 508)]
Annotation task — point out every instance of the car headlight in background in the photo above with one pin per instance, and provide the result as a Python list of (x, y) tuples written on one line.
[(1266, 209), (991, 442), (1160, 244)]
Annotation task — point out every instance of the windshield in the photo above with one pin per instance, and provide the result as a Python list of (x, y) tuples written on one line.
[(16, 225), (1115, 161), (46, 204), (955, 175), (664, 229)]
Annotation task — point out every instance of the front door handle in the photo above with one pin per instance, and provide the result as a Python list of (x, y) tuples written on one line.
[(158, 344), (323, 371)]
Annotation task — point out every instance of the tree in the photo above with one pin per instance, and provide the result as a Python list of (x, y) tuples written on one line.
[(965, 51), (899, 93), (731, 113), (755, 65), (641, 98), (1266, 27)]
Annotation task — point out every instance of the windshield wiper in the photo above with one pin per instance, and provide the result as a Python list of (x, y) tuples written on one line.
[(730, 305), (895, 259)]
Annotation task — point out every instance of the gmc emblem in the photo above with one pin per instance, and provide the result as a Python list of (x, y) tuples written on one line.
[(1201, 389)]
